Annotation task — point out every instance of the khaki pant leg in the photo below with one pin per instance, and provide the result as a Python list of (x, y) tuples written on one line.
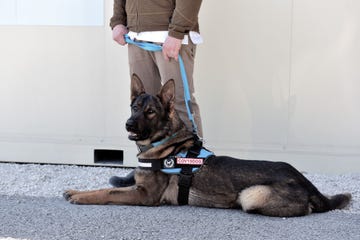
[(141, 62)]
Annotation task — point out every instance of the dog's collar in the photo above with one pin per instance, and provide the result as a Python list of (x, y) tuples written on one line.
[(144, 148)]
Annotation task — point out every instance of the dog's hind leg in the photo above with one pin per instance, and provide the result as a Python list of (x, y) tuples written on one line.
[(128, 180), (274, 201)]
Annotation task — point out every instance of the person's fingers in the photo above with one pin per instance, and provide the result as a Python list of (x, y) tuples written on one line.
[(118, 34)]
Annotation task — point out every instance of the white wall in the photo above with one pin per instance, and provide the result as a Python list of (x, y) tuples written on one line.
[(288, 82), (54, 12), (64, 91), (275, 80)]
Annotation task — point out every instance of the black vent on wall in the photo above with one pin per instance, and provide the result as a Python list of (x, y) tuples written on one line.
[(106, 156)]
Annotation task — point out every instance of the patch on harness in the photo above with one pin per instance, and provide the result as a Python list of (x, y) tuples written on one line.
[(169, 163), (189, 161)]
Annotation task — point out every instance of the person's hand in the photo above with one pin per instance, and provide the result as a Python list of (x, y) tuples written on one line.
[(118, 33), (171, 48)]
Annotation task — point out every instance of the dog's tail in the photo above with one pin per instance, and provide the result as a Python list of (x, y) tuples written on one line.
[(340, 201), (321, 203)]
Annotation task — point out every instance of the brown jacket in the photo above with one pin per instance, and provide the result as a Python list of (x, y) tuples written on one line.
[(176, 16)]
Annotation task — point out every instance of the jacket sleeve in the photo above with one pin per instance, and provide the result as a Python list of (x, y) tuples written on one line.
[(184, 18), (119, 14)]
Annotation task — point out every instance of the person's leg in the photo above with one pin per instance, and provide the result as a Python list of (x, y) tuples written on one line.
[(142, 63), (171, 70)]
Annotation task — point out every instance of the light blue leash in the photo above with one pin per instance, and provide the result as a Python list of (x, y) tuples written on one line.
[(155, 48)]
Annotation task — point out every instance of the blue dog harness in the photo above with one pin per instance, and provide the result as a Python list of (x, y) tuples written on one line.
[(184, 164)]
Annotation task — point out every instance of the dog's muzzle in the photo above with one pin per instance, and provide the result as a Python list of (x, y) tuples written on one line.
[(132, 130)]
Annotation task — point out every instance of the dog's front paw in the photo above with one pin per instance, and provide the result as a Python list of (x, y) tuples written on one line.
[(81, 197), (69, 194)]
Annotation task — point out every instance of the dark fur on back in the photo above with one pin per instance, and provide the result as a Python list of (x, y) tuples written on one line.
[(264, 187)]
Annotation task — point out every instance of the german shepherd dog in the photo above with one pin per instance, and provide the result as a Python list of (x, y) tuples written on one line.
[(262, 187)]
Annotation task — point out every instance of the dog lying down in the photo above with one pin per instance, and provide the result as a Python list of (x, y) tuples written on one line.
[(262, 187)]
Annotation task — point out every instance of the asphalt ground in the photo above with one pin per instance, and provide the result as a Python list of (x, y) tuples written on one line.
[(53, 218), (31, 207)]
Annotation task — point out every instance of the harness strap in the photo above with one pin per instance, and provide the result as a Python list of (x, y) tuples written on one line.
[(186, 174), (185, 180), (169, 164)]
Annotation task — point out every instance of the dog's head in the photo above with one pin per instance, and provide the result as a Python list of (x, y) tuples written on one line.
[(150, 115)]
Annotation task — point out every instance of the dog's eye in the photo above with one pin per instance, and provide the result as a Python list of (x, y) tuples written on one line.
[(134, 108)]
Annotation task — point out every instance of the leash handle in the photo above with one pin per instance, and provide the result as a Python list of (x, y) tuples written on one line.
[(187, 96)]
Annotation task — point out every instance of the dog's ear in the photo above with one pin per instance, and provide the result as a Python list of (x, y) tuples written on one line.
[(137, 87), (167, 93)]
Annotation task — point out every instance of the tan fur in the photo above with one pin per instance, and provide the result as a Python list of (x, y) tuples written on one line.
[(254, 197), (171, 192)]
